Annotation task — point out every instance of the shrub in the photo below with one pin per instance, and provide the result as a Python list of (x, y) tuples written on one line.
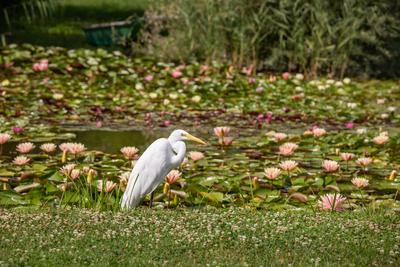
[(312, 37)]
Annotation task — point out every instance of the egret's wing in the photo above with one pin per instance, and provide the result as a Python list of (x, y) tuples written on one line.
[(149, 171)]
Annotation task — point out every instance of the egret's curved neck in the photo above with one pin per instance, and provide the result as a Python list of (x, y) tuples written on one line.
[(179, 148)]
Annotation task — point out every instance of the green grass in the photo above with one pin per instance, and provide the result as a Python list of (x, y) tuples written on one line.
[(234, 237)]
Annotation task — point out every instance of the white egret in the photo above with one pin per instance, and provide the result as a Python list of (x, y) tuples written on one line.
[(157, 161)]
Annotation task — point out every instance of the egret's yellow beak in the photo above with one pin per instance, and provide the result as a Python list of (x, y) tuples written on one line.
[(198, 140)]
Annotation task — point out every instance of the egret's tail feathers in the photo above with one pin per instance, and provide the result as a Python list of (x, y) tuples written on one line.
[(131, 197)]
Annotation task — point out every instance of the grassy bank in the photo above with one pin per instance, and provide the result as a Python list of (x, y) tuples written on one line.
[(196, 237)]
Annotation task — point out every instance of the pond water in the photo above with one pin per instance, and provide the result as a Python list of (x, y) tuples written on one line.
[(108, 141), (113, 141)]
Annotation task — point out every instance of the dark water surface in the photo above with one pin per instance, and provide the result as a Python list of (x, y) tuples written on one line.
[(113, 141), (108, 141)]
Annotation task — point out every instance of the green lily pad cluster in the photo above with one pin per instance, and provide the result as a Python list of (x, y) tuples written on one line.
[(218, 174), (97, 86), (43, 90)]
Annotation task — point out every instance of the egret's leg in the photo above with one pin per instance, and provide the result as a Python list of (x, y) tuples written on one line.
[(151, 199), (169, 198)]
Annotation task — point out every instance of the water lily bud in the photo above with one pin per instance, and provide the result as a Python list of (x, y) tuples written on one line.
[(89, 177), (64, 156), (255, 183), (122, 186), (166, 188), (393, 175), (6, 186)]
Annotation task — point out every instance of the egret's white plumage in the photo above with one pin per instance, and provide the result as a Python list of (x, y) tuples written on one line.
[(157, 161)]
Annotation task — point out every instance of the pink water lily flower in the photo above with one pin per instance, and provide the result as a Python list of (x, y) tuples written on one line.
[(364, 161), (318, 132), (285, 75), (173, 176), (148, 78), (185, 81), (48, 147), (350, 125), (360, 182), (176, 74), (381, 139), (130, 152), (21, 160), (75, 173), (330, 165), (204, 68), (64, 147), (248, 70), (272, 173), (17, 130), (195, 155), (106, 186), (288, 165), (25, 147), (280, 136), (272, 78), (42, 65), (76, 148), (287, 149), (4, 138), (347, 156), (331, 202), (67, 169), (221, 131), (225, 141)]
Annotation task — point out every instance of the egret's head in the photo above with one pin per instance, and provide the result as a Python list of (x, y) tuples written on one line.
[(181, 135)]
